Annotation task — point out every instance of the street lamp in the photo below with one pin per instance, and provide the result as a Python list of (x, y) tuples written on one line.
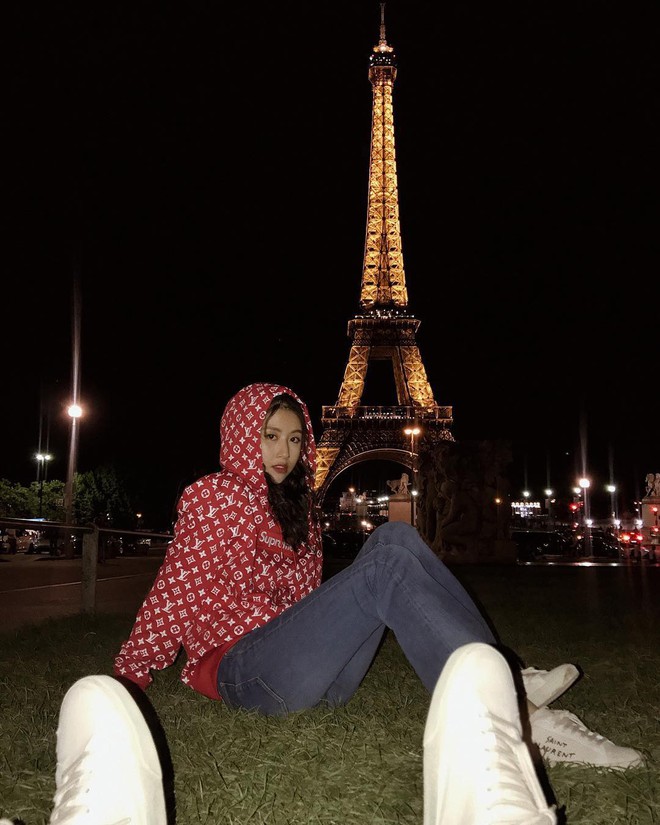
[(413, 432), (74, 411), (365, 529), (497, 501), (611, 489), (42, 474), (525, 511), (548, 504), (584, 485)]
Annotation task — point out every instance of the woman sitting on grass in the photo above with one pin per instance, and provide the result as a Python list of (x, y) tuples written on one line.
[(240, 588)]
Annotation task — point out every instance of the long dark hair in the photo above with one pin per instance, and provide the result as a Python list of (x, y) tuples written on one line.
[(290, 500)]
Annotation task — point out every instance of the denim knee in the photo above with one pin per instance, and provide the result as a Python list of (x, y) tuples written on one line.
[(408, 545), (396, 532), (394, 545)]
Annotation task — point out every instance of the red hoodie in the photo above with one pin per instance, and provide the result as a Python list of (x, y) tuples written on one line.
[(227, 569)]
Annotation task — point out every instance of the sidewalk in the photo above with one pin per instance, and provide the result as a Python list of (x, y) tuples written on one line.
[(35, 588)]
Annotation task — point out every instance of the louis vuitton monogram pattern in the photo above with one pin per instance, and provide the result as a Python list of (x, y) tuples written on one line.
[(227, 569)]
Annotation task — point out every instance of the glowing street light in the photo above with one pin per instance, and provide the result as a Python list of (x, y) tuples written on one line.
[(42, 473), (497, 501), (611, 489), (525, 510), (584, 484), (42, 460), (413, 432), (549, 493), (366, 526), (75, 412)]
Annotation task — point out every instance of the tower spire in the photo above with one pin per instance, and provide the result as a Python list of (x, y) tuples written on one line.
[(383, 275), (383, 40)]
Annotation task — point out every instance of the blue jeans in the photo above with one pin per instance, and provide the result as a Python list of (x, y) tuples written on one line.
[(321, 648)]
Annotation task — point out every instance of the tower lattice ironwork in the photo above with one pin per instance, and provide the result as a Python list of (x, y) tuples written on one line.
[(383, 329)]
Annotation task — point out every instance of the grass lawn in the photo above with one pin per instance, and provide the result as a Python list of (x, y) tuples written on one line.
[(361, 763)]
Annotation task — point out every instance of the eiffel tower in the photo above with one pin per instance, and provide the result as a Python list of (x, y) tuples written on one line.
[(384, 329)]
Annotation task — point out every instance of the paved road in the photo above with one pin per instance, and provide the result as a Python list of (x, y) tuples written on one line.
[(34, 588)]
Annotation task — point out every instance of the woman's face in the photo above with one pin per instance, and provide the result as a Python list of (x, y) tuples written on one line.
[(281, 442)]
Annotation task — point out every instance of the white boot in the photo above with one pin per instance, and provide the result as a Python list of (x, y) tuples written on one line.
[(477, 769)]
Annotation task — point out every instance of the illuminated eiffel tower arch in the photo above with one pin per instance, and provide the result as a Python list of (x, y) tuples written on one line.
[(384, 329)]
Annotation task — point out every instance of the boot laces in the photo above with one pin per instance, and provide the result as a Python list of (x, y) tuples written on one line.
[(72, 798), (513, 798)]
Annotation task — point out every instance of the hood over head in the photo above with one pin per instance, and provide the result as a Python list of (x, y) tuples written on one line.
[(240, 433)]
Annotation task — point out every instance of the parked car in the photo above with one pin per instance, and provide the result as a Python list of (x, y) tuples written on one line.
[(19, 540), (603, 545), (342, 544), (535, 544), (133, 546), (632, 544)]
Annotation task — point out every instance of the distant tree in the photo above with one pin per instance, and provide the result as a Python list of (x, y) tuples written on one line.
[(52, 500), (101, 496), (16, 501)]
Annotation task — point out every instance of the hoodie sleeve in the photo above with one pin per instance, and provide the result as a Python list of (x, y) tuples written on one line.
[(168, 611)]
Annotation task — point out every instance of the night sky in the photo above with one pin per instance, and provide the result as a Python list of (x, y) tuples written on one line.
[(203, 172)]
